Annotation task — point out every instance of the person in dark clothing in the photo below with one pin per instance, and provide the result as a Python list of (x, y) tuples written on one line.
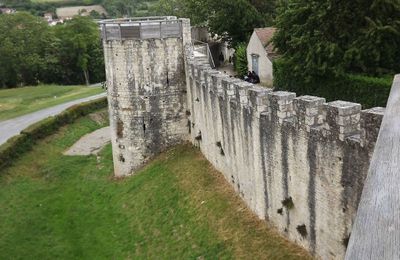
[(256, 78), (221, 58), (248, 77)]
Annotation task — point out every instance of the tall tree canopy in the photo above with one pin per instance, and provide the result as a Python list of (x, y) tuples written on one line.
[(25, 49), (81, 53), (331, 37), (232, 20), (31, 52)]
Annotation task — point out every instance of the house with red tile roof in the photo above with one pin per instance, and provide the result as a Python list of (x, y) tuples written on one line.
[(261, 53)]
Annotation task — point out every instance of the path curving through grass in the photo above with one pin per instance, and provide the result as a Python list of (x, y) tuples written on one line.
[(20, 101)]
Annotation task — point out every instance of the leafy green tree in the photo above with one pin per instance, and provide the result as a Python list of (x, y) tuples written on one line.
[(240, 61), (328, 38), (24, 49), (267, 9), (80, 52), (197, 10), (232, 20)]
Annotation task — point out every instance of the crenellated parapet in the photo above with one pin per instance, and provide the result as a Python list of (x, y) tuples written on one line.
[(338, 119), (276, 148)]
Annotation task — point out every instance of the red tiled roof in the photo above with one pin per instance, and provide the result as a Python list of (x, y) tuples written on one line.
[(265, 35)]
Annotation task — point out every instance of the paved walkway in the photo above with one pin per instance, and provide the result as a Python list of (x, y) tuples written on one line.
[(14, 126), (91, 143), (227, 69)]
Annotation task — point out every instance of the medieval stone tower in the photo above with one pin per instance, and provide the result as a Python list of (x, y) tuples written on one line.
[(145, 69)]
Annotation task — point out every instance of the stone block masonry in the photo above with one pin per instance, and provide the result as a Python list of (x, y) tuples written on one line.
[(146, 91), (298, 162)]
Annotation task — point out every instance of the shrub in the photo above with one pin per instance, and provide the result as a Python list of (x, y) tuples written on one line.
[(241, 60), (23, 142), (13, 148), (368, 91)]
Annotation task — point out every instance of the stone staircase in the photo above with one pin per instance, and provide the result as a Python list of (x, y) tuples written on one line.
[(202, 53)]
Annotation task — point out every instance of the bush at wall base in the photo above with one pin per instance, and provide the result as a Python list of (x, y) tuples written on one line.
[(368, 91), (23, 142)]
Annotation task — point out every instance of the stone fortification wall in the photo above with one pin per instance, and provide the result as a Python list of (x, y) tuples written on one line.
[(297, 161)]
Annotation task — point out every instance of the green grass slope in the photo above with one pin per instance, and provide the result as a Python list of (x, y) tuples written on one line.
[(178, 207), (19, 101)]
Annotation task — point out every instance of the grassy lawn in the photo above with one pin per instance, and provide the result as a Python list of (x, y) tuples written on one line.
[(19, 101), (178, 207)]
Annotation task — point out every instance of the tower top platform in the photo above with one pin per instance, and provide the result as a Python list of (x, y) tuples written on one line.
[(141, 28)]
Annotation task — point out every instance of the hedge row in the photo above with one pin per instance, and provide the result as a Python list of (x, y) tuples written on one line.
[(24, 142), (368, 91)]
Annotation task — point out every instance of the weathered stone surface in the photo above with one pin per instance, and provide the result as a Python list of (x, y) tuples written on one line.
[(147, 101), (297, 161), (278, 147)]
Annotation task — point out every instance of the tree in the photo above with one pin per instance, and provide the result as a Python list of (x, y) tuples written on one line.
[(231, 20), (267, 9), (234, 21), (240, 61), (24, 48), (80, 49), (329, 38), (197, 10)]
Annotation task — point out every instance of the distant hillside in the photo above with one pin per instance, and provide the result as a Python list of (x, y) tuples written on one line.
[(114, 8), (68, 12), (56, 3), (130, 8)]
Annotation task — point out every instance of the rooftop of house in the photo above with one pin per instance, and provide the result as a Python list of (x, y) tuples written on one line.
[(265, 35)]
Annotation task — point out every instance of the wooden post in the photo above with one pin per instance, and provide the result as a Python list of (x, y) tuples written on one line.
[(376, 231)]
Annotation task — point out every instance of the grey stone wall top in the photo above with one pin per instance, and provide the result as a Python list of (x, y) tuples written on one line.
[(141, 28), (338, 119)]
